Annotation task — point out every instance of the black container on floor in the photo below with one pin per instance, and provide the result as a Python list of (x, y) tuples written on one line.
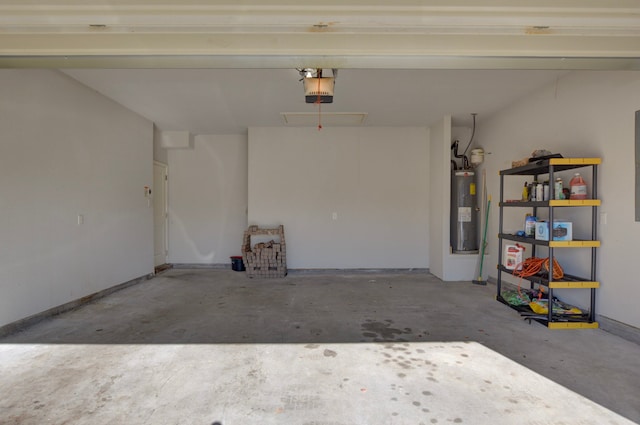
[(237, 264)]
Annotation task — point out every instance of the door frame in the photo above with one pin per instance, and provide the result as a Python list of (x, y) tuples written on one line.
[(165, 209)]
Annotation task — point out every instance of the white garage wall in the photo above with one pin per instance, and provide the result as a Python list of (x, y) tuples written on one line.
[(444, 264), (439, 138), (585, 114), (66, 150), (159, 153), (207, 200), (376, 181)]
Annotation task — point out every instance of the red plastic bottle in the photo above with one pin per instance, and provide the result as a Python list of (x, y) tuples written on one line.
[(578, 187)]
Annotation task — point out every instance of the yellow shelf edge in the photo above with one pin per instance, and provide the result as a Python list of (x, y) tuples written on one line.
[(574, 203), (574, 244), (574, 285), (575, 161), (572, 325)]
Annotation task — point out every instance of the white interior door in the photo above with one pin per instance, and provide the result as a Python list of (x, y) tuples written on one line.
[(159, 194)]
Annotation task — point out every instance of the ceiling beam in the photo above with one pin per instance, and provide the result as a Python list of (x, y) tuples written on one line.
[(302, 61), (541, 34), (319, 44)]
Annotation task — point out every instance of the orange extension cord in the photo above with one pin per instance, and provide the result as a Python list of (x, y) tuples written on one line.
[(533, 265)]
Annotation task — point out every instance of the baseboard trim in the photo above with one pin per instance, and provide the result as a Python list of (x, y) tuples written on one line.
[(201, 265), (302, 270), (22, 324), (624, 331), (357, 271)]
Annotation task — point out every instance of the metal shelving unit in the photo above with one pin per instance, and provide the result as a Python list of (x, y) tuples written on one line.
[(549, 167)]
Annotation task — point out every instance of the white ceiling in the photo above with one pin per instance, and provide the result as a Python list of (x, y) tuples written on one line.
[(228, 101), (215, 66)]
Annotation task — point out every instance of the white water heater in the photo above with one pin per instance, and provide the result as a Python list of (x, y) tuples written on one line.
[(464, 212)]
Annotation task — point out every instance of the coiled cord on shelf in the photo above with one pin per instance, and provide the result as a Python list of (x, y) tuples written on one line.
[(534, 265)]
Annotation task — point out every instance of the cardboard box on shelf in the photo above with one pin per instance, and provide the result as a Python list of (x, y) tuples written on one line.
[(562, 230), (513, 257)]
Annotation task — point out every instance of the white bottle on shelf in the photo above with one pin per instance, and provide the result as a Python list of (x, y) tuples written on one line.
[(545, 188), (539, 192)]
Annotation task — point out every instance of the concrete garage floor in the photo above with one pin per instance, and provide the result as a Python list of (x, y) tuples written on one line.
[(213, 347)]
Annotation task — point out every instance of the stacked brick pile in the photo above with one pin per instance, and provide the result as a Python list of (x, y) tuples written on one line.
[(265, 259)]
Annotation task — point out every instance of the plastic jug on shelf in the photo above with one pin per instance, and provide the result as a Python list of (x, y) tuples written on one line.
[(578, 187)]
